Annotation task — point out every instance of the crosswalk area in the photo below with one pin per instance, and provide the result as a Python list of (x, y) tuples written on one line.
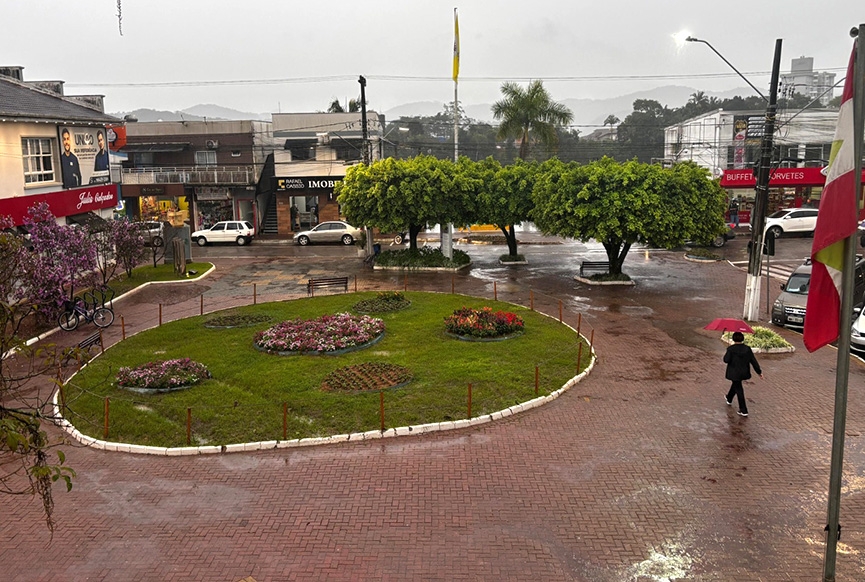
[(780, 270)]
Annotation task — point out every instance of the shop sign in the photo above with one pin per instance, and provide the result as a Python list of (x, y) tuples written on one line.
[(778, 177), (306, 183), (152, 190), (63, 202), (212, 193)]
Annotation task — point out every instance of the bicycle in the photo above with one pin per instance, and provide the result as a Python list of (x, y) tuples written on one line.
[(76, 310)]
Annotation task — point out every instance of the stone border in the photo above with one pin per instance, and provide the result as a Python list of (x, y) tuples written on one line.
[(695, 259), (101, 445), (523, 262), (630, 283)]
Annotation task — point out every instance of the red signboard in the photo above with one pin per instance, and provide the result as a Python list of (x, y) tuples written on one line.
[(778, 177), (63, 202)]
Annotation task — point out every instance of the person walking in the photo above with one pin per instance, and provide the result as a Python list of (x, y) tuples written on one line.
[(739, 359), (734, 212)]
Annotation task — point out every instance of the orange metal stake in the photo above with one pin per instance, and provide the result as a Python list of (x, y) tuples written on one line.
[(531, 300), (579, 322), (160, 314), (201, 308), (105, 429), (188, 427), (381, 408), (495, 291), (592, 338), (537, 378), (285, 421), (470, 400), (254, 293), (560, 311), (579, 356), (123, 327)]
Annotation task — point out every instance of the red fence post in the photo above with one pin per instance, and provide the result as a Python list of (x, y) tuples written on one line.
[(201, 308), (188, 427), (537, 378), (255, 293), (495, 291), (470, 400), (592, 338), (160, 314), (285, 421), (579, 322), (560, 311), (123, 327), (381, 408), (105, 428), (579, 356), (531, 300)]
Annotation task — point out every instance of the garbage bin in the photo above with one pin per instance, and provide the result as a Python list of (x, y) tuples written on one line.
[(376, 249)]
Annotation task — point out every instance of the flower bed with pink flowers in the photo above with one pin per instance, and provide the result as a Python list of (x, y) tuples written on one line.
[(162, 376), (328, 334)]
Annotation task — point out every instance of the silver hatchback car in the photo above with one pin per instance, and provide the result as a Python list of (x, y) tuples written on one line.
[(333, 231)]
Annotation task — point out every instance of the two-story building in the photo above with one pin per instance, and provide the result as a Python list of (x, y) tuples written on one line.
[(728, 144), (312, 152), (195, 172), (53, 149)]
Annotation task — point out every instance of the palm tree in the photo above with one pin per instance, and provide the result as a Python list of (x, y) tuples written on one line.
[(611, 120), (529, 115), (336, 106)]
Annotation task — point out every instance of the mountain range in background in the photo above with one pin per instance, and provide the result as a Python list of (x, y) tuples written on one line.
[(589, 114)]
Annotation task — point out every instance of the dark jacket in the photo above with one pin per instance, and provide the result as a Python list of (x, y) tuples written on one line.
[(739, 359)]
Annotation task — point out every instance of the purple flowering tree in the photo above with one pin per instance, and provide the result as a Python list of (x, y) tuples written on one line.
[(62, 260), (26, 463), (127, 244)]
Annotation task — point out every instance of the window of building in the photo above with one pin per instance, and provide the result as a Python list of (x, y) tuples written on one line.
[(38, 157), (205, 158), (142, 159)]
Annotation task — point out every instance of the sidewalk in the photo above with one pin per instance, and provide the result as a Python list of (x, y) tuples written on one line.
[(639, 473)]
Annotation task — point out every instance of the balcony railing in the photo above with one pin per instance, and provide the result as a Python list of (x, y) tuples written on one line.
[(209, 175)]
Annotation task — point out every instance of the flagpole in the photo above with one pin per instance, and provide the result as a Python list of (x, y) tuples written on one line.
[(447, 235), (833, 526)]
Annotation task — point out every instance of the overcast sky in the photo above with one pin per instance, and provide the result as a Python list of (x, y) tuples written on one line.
[(293, 56)]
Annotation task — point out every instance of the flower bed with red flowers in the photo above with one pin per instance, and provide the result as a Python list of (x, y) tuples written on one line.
[(483, 323), (328, 334)]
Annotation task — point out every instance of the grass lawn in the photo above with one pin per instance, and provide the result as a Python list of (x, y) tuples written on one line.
[(243, 402)]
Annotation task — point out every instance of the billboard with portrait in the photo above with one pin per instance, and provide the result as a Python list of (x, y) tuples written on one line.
[(83, 156)]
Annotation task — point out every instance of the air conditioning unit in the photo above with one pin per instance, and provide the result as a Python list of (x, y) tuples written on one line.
[(212, 144)]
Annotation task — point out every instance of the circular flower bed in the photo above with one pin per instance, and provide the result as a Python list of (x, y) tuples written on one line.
[(235, 320), (366, 376), (162, 376), (327, 334), (383, 302), (483, 323)]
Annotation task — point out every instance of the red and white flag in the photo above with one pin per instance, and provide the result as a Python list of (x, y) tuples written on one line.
[(836, 221)]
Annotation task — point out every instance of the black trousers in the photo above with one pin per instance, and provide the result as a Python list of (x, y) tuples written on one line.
[(737, 390)]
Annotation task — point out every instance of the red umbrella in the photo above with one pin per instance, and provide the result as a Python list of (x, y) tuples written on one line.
[(729, 324)]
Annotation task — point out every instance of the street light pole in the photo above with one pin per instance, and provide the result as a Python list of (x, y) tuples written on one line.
[(761, 194)]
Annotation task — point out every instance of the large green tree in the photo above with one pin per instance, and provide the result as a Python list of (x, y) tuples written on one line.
[(396, 195), (618, 204), (530, 115), (506, 197)]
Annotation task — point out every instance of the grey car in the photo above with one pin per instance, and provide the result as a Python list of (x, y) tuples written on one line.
[(332, 231)]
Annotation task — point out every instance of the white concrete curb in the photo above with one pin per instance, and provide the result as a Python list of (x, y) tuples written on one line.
[(312, 441)]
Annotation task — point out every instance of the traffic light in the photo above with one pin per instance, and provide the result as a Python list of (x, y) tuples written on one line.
[(769, 244)]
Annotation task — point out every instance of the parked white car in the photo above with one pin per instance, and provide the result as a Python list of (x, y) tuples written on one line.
[(857, 334), (802, 220), (330, 231), (236, 231)]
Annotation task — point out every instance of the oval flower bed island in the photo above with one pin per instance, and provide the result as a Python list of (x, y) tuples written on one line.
[(162, 376), (328, 334), (483, 324)]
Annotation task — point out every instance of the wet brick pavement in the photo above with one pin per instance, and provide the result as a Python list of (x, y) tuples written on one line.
[(639, 473)]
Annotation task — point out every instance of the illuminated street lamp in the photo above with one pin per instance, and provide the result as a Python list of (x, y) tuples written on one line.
[(761, 197)]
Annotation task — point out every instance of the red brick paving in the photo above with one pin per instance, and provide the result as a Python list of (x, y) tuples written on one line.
[(638, 473)]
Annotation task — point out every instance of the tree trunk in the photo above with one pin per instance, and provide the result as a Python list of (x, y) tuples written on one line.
[(616, 253), (511, 237), (413, 231)]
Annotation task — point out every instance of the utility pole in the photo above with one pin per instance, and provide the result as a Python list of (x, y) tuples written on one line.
[(365, 133), (761, 199)]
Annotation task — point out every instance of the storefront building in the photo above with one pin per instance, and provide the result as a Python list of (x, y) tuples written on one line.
[(53, 150), (194, 173), (303, 202)]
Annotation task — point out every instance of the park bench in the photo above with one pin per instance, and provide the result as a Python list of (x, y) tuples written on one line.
[(325, 282), (84, 347), (600, 266)]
